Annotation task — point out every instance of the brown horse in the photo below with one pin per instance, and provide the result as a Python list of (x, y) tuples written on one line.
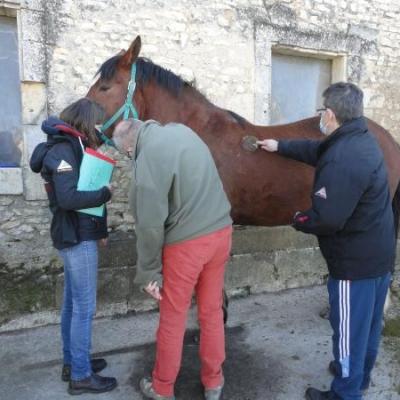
[(264, 189)]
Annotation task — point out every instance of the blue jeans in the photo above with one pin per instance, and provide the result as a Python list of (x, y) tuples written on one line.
[(80, 281), (356, 319)]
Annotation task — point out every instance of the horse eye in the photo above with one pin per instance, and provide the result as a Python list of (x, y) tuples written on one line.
[(104, 88)]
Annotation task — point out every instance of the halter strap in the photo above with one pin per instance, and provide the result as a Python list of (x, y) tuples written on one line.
[(126, 109)]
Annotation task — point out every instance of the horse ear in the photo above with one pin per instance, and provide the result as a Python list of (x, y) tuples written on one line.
[(132, 53)]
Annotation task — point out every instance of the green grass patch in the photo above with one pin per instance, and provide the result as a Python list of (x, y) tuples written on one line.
[(392, 327)]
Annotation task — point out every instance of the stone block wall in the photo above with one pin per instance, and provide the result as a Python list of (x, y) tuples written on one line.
[(224, 47), (262, 259)]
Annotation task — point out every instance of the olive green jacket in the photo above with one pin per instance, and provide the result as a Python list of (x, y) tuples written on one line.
[(176, 193)]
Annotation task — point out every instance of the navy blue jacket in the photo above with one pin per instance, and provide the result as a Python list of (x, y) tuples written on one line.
[(58, 160), (351, 211)]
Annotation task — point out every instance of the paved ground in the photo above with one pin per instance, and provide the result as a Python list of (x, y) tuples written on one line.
[(277, 345)]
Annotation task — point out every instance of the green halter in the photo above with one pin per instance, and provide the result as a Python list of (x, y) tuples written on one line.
[(126, 109)]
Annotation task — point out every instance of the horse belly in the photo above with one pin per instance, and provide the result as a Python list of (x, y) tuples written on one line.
[(266, 190)]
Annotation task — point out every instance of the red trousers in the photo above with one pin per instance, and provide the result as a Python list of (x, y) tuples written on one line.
[(193, 265)]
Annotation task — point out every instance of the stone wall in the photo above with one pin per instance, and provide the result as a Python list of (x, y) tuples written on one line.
[(224, 47), (262, 259)]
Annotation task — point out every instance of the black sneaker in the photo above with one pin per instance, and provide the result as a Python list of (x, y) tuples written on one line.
[(98, 364), (315, 394), (93, 384)]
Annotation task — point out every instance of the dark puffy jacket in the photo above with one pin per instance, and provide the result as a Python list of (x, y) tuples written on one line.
[(58, 160), (351, 211)]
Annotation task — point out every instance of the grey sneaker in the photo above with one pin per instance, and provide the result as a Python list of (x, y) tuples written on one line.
[(146, 386), (215, 393)]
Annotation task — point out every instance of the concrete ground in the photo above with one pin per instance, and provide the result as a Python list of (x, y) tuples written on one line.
[(277, 346)]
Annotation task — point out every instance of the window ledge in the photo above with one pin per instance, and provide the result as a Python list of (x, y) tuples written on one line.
[(11, 181), (10, 3), (9, 8)]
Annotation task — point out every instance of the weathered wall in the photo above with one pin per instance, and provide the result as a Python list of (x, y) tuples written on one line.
[(263, 259), (219, 45)]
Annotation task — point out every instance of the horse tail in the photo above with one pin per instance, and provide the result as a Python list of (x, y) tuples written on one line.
[(396, 210)]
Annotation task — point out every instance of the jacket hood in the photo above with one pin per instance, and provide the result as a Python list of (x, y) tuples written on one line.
[(36, 161), (57, 131), (54, 126)]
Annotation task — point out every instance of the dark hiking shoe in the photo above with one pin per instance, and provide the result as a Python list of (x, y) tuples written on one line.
[(315, 394), (98, 364), (93, 384), (146, 386), (333, 369)]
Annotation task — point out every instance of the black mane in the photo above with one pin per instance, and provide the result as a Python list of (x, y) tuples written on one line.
[(239, 119), (145, 72)]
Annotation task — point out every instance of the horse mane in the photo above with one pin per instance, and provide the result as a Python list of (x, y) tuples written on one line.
[(147, 71), (239, 119)]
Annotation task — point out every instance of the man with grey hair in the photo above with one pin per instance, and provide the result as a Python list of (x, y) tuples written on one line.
[(184, 231), (352, 217)]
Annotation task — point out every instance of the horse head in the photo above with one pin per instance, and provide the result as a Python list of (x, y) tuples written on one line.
[(113, 87)]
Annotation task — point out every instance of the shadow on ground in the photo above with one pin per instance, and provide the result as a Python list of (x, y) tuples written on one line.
[(277, 346), (239, 353)]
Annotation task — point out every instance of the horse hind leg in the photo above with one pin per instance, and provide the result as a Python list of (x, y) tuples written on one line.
[(396, 217), (396, 210), (225, 304)]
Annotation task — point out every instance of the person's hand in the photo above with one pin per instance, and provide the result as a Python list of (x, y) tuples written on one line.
[(153, 290), (110, 190), (270, 145), (108, 194)]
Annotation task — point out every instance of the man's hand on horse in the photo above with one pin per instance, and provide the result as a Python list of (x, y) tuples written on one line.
[(270, 145), (153, 290)]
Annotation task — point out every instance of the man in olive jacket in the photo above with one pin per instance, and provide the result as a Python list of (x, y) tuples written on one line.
[(183, 229), (352, 217)]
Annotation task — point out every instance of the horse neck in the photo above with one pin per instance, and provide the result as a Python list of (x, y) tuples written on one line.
[(189, 107), (211, 122)]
